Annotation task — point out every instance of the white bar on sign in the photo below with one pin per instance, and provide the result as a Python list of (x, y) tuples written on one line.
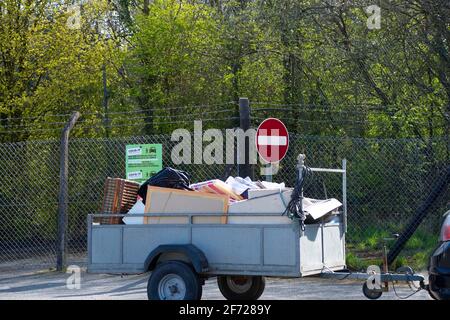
[(272, 140), (134, 151), (134, 175), (135, 161)]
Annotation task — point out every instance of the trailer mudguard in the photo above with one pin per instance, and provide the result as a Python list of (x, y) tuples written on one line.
[(194, 254)]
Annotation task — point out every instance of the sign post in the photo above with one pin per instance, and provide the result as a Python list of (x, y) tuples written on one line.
[(142, 161)]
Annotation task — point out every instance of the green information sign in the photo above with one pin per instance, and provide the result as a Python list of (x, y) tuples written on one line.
[(142, 161)]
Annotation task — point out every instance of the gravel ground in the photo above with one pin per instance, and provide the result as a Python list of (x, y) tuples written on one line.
[(37, 285)]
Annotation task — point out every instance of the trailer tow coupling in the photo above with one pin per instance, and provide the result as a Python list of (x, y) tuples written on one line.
[(378, 282)]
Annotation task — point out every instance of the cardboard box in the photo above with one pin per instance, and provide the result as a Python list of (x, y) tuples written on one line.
[(256, 193), (165, 201), (319, 208), (263, 201), (275, 203), (138, 208)]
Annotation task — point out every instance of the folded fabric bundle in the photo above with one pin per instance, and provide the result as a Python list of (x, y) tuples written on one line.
[(273, 185), (242, 186), (218, 187), (236, 188), (239, 185)]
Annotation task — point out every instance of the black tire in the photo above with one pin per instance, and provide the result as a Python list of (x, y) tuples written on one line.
[(241, 287), (174, 280), (432, 294), (200, 291), (434, 290), (371, 294)]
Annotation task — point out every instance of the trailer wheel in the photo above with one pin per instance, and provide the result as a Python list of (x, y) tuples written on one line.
[(371, 294), (174, 280), (241, 287)]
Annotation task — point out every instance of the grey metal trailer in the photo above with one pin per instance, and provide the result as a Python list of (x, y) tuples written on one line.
[(277, 250), (181, 256)]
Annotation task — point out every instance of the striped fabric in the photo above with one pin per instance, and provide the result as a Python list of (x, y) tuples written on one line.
[(218, 187)]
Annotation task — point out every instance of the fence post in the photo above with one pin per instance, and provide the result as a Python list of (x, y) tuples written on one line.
[(245, 169), (344, 192), (63, 193), (105, 101)]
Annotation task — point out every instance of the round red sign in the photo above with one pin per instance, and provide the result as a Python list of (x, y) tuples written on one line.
[(272, 140)]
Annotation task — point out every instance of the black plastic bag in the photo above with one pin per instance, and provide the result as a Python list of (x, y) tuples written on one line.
[(166, 178)]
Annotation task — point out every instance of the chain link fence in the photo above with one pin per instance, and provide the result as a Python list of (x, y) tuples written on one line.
[(387, 180)]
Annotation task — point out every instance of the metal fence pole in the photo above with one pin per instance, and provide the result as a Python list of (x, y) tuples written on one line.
[(439, 188), (245, 169), (344, 192), (63, 193), (105, 102)]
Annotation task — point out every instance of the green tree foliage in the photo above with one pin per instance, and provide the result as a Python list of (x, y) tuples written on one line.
[(172, 58), (136, 67), (337, 75), (51, 62)]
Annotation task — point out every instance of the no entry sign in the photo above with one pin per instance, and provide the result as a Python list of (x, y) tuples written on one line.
[(272, 140)]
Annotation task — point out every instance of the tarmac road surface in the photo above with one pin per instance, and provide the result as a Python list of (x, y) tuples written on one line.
[(50, 285)]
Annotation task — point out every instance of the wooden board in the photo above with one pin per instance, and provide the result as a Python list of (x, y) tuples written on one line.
[(165, 200)]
